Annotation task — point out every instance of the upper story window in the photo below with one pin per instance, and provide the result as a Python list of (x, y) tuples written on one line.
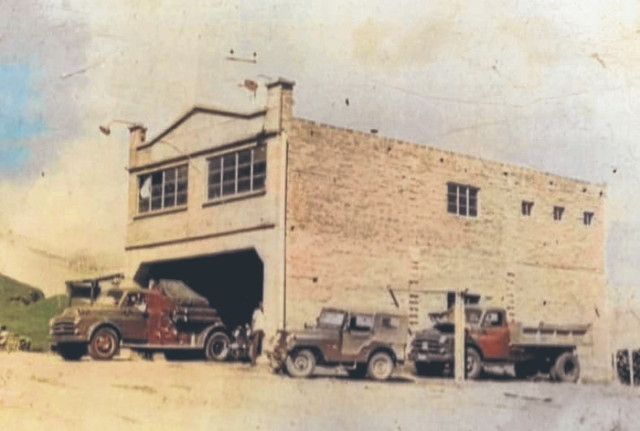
[(162, 189), (462, 200), (587, 218), (558, 212), (526, 208), (236, 173)]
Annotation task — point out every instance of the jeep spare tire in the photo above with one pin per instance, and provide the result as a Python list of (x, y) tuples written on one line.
[(380, 366), (217, 347), (301, 363), (104, 344)]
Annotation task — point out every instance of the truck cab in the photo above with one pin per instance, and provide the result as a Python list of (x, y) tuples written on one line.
[(490, 339)]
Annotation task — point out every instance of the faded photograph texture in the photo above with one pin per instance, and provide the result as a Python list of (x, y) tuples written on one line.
[(319, 215)]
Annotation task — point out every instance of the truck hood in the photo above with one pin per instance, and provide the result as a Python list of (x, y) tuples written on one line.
[(79, 310), (435, 332), (314, 333)]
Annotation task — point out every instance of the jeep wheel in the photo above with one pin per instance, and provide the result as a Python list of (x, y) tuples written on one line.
[(104, 344), (473, 363), (217, 347), (301, 363), (72, 352), (380, 366)]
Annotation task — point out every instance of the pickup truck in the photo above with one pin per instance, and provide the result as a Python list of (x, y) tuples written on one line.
[(365, 343), (169, 318), (490, 340)]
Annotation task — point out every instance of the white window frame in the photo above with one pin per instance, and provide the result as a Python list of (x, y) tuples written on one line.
[(465, 192), (148, 176), (252, 190)]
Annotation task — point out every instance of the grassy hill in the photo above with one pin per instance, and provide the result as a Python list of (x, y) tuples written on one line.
[(25, 311)]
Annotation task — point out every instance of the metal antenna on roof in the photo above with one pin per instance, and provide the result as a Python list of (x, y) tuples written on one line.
[(232, 57)]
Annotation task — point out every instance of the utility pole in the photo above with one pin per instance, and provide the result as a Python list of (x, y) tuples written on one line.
[(459, 337)]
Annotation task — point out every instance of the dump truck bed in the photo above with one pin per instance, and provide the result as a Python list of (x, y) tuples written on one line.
[(549, 335)]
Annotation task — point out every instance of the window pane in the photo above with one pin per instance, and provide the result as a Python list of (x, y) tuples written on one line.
[(244, 185), (181, 198), (462, 204), (214, 164), (229, 174), (228, 188), (244, 157), (244, 172), (214, 192), (229, 160), (258, 183)]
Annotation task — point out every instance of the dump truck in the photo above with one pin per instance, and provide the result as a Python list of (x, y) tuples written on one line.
[(491, 340), (169, 318)]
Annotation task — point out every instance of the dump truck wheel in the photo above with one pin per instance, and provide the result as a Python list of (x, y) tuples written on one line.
[(566, 368), (217, 347), (301, 363), (72, 352), (473, 363), (380, 366), (104, 344)]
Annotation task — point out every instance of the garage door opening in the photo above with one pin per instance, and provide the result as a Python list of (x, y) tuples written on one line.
[(232, 282)]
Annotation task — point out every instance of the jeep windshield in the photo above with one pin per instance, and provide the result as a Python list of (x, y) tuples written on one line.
[(331, 319)]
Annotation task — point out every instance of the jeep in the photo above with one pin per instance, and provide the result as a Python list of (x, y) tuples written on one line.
[(368, 344)]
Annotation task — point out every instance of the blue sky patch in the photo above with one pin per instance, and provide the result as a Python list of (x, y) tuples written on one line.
[(19, 118)]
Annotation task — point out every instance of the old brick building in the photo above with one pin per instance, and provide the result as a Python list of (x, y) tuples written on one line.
[(250, 206)]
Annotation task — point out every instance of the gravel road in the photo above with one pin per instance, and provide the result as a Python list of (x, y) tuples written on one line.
[(40, 391)]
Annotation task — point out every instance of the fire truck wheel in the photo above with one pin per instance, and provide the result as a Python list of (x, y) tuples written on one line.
[(566, 368), (104, 344), (217, 347)]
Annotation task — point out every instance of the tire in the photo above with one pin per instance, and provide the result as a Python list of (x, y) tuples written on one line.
[(525, 369), (72, 352), (430, 370), (473, 364), (566, 368), (380, 366), (104, 344), (359, 372), (217, 347), (301, 363)]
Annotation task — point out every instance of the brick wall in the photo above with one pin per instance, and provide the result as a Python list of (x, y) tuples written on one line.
[(365, 212)]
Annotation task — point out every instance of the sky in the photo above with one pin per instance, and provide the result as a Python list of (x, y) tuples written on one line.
[(550, 85)]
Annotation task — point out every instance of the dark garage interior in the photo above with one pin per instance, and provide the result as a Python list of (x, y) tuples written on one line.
[(232, 282)]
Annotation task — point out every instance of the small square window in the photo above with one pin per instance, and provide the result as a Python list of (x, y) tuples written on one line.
[(558, 212), (587, 218), (527, 206)]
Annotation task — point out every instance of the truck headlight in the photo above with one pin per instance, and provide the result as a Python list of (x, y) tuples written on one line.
[(443, 339)]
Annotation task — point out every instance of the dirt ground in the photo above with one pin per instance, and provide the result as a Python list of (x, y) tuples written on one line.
[(40, 391)]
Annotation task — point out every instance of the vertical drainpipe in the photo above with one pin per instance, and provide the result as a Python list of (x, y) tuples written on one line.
[(285, 142), (284, 160)]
